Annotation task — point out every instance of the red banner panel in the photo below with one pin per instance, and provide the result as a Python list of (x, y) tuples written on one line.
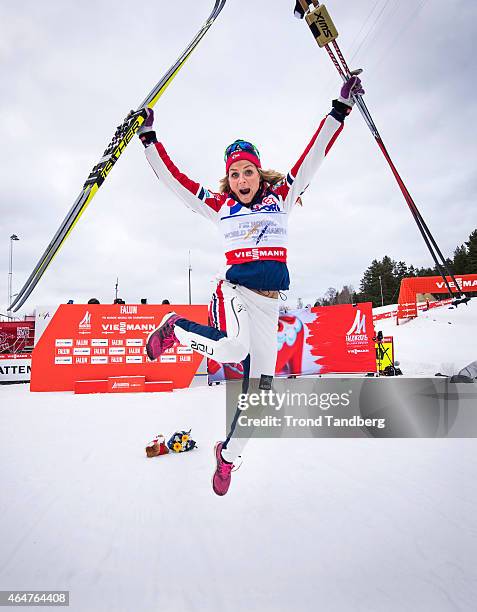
[(16, 336), (97, 342), (126, 384), (342, 338), (323, 340)]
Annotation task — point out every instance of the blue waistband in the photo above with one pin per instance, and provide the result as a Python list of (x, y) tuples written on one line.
[(265, 275)]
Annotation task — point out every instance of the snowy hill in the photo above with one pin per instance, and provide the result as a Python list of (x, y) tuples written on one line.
[(439, 340), (332, 525)]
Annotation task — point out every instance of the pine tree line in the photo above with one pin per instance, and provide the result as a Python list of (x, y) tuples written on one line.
[(382, 279)]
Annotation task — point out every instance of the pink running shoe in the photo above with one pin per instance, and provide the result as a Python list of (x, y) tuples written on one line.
[(163, 337), (223, 473)]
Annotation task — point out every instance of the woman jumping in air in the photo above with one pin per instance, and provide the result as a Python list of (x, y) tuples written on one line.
[(251, 211)]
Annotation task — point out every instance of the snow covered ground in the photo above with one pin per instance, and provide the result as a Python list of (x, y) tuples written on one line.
[(333, 525), (441, 339)]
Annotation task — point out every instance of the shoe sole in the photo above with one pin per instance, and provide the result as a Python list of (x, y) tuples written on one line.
[(163, 320)]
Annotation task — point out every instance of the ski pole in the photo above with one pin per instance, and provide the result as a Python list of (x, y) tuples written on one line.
[(325, 33), (423, 228)]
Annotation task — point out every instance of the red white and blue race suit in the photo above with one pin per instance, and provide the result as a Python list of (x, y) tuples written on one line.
[(255, 245)]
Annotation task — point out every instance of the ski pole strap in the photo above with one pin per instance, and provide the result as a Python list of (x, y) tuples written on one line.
[(340, 110), (148, 138)]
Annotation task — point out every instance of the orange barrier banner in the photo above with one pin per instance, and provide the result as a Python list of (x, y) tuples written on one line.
[(97, 342), (407, 307), (393, 311)]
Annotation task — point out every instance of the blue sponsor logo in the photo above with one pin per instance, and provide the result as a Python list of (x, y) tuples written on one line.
[(266, 208)]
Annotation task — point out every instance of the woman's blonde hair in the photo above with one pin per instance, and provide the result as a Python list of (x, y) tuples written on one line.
[(266, 176)]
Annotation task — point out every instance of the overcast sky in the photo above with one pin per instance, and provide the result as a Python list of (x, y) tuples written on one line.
[(72, 70)]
